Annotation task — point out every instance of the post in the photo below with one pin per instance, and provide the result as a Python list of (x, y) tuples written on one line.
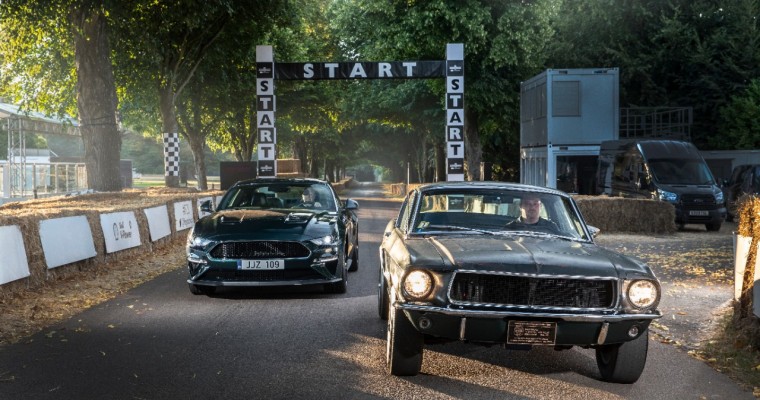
[(455, 112), (265, 108)]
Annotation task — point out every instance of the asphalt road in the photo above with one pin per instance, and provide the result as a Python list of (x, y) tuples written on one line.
[(158, 341)]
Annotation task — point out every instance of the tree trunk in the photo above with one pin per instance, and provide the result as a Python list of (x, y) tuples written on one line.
[(440, 162), (197, 145), (96, 98), (473, 151)]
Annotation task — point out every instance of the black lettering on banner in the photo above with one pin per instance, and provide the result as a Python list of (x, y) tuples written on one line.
[(455, 117), (265, 86), (455, 149), (266, 152), (266, 119)]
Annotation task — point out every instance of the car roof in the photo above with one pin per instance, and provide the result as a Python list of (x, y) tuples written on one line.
[(475, 185), (256, 181)]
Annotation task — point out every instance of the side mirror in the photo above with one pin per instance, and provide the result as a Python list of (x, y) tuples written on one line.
[(593, 230), (206, 206), (351, 204)]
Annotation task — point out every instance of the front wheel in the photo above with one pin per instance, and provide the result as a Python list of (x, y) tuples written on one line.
[(201, 289), (713, 227), (623, 363), (354, 260), (404, 345), (383, 297)]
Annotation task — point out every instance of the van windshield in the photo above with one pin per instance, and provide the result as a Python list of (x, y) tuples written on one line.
[(681, 172)]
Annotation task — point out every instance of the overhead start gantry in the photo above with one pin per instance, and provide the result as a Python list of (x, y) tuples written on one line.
[(267, 71)]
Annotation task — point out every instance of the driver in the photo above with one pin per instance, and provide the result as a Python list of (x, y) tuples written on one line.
[(309, 198), (530, 207)]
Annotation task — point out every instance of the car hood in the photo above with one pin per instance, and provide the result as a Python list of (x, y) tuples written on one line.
[(265, 224), (523, 255)]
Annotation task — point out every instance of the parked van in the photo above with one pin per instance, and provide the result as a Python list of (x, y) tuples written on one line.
[(667, 170)]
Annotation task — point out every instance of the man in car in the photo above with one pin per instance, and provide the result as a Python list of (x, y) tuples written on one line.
[(309, 199), (530, 207)]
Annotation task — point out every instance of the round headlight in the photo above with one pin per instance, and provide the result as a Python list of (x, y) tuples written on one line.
[(642, 293), (418, 284)]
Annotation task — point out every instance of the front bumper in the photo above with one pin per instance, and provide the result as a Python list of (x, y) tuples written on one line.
[(715, 216), (296, 273), (491, 326)]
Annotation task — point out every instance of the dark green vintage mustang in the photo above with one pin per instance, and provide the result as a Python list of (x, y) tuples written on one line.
[(491, 262), (272, 232)]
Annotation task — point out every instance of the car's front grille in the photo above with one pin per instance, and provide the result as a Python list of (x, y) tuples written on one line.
[(260, 276), (259, 249), (526, 291)]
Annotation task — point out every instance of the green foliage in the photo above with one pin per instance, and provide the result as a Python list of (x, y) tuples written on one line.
[(741, 118)]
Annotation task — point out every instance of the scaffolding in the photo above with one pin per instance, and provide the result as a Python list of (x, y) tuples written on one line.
[(656, 123), (19, 178)]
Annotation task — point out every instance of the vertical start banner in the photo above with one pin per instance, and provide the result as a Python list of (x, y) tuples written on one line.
[(455, 112), (265, 108)]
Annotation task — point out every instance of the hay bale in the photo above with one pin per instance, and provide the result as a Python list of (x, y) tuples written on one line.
[(618, 214), (27, 215)]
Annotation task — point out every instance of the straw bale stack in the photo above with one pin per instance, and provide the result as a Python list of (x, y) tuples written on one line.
[(28, 214), (618, 214)]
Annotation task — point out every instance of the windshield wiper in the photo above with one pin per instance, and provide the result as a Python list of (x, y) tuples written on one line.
[(457, 228)]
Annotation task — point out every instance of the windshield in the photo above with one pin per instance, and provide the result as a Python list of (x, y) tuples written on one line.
[(681, 172), (497, 211), (302, 196)]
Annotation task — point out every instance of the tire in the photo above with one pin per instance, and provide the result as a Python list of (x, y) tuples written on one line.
[(404, 345), (200, 289), (341, 286), (383, 297), (623, 363), (354, 260), (713, 227)]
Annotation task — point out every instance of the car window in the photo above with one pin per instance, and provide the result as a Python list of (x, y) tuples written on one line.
[(498, 211)]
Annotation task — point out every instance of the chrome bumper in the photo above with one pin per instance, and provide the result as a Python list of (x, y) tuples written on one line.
[(526, 314)]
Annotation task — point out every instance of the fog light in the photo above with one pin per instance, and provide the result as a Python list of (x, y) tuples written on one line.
[(425, 323), (634, 331)]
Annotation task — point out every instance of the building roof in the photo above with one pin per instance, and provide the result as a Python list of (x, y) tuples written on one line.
[(36, 122)]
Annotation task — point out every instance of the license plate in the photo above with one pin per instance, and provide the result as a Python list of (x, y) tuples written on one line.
[(277, 263), (531, 332), (699, 213)]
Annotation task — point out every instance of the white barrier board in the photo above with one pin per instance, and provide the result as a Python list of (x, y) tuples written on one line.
[(66, 240), (158, 222), (14, 265), (756, 286), (741, 253), (183, 215), (202, 214), (120, 230)]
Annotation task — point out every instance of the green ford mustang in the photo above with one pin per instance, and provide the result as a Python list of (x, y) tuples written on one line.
[(509, 264), (274, 232)]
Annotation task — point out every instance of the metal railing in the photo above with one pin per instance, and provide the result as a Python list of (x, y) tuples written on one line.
[(42, 180), (656, 123)]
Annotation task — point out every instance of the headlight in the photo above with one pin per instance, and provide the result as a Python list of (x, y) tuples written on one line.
[(643, 293), (323, 241), (199, 242), (664, 195), (418, 284), (719, 197)]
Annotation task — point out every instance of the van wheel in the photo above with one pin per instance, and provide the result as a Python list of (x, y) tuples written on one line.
[(714, 227)]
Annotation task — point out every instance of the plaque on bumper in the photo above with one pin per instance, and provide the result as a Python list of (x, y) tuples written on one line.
[(532, 332)]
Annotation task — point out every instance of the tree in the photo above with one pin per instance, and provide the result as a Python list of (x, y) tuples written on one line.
[(38, 59), (741, 118)]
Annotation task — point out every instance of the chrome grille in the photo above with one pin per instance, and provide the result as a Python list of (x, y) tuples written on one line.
[(525, 291), (259, 249)]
